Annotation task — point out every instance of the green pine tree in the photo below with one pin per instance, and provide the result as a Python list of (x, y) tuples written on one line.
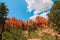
[(3, 14), (54, 15)]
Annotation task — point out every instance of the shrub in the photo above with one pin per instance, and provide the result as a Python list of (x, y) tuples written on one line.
[(34, 35), (14, 34), (7, 36)]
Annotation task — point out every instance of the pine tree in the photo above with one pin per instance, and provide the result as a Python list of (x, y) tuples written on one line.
[(54, 15), (3, 14)]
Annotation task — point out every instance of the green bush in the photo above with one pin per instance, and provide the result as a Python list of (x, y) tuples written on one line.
[(34, 35), (14, 34), (7, 36)]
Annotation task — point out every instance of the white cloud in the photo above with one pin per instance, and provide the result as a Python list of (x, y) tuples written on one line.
[(44, 14), (38, 6), (33, 17)]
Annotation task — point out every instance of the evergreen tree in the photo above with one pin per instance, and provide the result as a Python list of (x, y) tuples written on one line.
[(54, 15), (3, 14)]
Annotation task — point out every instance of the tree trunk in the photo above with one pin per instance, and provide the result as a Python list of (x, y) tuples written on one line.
[(2, 22)]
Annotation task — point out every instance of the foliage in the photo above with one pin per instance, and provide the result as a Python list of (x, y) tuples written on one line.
[(34, 35), (14, 34), (3, 15), (30, 26), (7, 36), (13, 29), (3, 10), (54, 16)]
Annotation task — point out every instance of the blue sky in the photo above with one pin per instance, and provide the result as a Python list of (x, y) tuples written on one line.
[(17, 9)]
